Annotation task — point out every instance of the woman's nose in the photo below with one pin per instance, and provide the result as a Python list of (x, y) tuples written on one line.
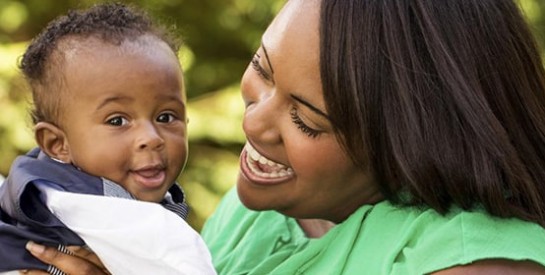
[(148, 137), (261, 117)]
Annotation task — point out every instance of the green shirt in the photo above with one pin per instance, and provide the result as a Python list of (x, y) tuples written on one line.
[(379, 239)]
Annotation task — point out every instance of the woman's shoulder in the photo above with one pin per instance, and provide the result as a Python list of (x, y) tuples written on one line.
[(425, 241)]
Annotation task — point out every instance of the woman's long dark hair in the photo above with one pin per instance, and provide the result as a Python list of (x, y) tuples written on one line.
[(444, 100)]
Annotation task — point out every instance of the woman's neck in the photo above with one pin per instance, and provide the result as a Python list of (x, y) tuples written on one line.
[(315, 228)]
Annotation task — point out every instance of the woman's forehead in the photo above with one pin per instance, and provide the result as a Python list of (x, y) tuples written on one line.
[(297, 19)]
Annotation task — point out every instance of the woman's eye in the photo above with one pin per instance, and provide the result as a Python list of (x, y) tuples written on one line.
[(117, 121), (313, 133), (166, 118), (259, 69)]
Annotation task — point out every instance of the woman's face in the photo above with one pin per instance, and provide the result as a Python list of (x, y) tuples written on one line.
[(292, 162)]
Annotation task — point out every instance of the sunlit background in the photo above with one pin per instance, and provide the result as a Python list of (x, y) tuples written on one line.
[(220, 37)]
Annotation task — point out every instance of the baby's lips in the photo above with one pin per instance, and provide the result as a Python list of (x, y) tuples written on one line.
[(148, 173)]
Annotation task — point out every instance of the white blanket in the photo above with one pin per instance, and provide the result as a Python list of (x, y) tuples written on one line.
[(132, 237)]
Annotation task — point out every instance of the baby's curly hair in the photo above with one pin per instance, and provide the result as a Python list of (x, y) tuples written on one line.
[(41, 64)]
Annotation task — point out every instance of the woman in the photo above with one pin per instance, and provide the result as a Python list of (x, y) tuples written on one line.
[(389, 137)]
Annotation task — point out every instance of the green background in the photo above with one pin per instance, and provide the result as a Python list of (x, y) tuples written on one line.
[(219, 36)]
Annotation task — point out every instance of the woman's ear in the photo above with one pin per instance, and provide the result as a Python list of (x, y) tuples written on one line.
[(52, 141)]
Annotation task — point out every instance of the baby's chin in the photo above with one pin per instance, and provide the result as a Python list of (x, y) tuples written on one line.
[(154, 197)]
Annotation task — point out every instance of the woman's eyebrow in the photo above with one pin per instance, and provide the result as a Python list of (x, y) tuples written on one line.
[(267, 57), (310, 106)]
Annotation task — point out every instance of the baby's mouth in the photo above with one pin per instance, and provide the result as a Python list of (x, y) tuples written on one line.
[(150, 177)]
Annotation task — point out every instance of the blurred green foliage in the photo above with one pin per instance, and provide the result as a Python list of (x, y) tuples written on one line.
[(220, 38)]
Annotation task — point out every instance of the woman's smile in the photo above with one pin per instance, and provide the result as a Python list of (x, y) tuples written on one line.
[(261, 170)]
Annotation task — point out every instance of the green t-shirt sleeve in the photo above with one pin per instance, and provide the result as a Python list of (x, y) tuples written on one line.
[(440, 242)]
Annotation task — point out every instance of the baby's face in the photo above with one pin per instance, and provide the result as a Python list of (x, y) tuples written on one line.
[(125, 114)]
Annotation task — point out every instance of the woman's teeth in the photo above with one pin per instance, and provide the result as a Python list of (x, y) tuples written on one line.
[(264, 167)]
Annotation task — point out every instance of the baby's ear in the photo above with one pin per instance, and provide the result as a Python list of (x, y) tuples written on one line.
[(52, 141)]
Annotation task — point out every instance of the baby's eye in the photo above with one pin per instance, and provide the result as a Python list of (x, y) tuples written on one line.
[(117, 121), (166, 118)]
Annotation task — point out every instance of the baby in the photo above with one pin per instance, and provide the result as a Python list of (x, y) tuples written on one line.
[(110, 121)]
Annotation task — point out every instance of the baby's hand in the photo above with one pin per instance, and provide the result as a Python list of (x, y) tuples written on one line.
[(82, 261)]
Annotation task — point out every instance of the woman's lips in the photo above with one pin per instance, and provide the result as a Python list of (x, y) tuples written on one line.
[(261, 170), (150, 178)]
